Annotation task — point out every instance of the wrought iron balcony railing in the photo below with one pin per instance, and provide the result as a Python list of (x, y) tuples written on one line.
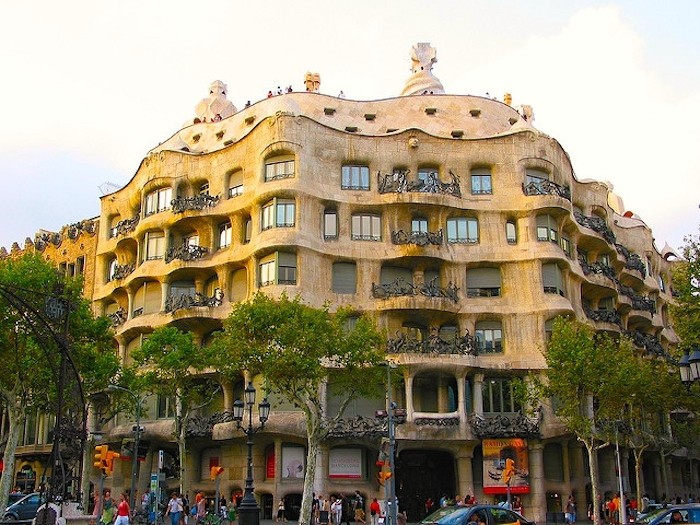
[(177, 301), (198, 202), (125, 226), (398, 183), (605, 316), (185, 252), (501, 426), (434, 344), (417, 238), (401, 287), (547, 187)]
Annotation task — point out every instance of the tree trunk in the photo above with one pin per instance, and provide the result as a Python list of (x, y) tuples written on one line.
[(593, 472), (638, 463), (16, 419), (313, 441), (664, 479), (181, 432)]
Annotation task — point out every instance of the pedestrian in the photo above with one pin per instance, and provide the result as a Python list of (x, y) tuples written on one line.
[(337, 511), (359, 507), (123, 510), (324, 515), (347, 509), (107, 516), (315, 508), (174, 509), (201, 504), (374, 511), (146, 500), (280, 512), (570, 514)]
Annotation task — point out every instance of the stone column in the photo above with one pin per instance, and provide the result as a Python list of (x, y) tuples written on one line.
[(442, 395), (538, 512), (462, 399), (465, 477), (408, 384), (478, 394)]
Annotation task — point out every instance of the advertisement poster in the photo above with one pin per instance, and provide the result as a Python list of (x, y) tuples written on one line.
[(293, 462), (496, 452), (345, 463)]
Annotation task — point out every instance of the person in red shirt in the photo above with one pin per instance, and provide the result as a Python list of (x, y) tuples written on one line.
[(374, 510), (123, 511)]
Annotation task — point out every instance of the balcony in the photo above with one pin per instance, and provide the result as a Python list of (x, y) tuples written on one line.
[(547, 187), (505, 425), (118, 318), (417, 238), (125, 226), (122, 271), (398, 183), (632, 260), (198, 202), (176, 301), (604, 316), (185, 252), (596, 268), (596, 224), (433, 345), (639, 302), (401, 287), (648, 342)]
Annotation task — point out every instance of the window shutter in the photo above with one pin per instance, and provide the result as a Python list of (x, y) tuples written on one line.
[(152, 297), (239, 285), (344, 277), (392, 273), (484, 278)]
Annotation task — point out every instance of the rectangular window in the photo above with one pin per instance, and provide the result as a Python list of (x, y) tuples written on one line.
[(604, 259), (278, 214), (235, 191), (511, 233), (330, 224), (552, 279), (235, 184), (366, 227), (248, 232), (224, 234), (354, 178), (419, 226), (155, 245), (279, 170), (463, 230), (547, 229), (566, 246), (191, 240), (498, 397), (158, 200), (536, 177), (481, 182), (489, 340), (278, 268)]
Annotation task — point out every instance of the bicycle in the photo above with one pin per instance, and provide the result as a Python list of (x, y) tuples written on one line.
[(216, 519)]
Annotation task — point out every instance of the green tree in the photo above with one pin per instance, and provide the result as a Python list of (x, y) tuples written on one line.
[(170, 364), (30, 356), (589, 377), (686, 288), (297, 349)]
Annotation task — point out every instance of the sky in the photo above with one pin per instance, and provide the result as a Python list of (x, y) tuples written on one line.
[(89, 86)]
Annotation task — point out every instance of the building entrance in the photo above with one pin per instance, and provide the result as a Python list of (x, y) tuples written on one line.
[(423, 474)]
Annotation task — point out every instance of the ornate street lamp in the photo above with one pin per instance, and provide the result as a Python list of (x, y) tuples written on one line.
[(689, 367), (137, 434), (248, 509)]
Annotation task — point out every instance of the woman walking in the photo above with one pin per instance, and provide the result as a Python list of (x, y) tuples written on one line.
[(123, 510)]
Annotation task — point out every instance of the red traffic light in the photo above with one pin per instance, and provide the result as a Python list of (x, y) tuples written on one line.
[(215, 471)]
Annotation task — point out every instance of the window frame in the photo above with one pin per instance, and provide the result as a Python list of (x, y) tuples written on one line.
[(279, 169), (359, 181), (481, 175), (152, 243), (330, 217), (225, 234), (274, 214), (469, 222), (157, 201), (364, 221)]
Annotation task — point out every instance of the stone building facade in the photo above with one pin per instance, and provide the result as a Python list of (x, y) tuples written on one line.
[(451, 218)]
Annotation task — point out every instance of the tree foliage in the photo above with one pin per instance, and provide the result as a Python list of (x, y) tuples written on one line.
[(31, 343), (297, 349), (686, 288), (169, 363)]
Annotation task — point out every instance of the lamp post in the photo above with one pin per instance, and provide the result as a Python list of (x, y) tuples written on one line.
[(137, 435), (689, 367), (393, 415), (248, 509)]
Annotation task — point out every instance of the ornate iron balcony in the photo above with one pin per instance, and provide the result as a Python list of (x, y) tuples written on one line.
[(648, 342), (398, 183), (176, 301), (121, 271), (417, 238), (639, 302), (125, 226), (596, 224), (605, 316), (437, 421), (632, 260), (401, 287), (198, 202), (598, 268), (434, 344), (118, 318), (502, 426), (547, 187), (185, 252)]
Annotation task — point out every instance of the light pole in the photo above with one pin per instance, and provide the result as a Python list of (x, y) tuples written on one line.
[(248, 509), (689, 367), (393, 415), (137, 432)]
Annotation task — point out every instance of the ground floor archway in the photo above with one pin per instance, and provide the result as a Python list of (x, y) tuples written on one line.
[(423, 474)]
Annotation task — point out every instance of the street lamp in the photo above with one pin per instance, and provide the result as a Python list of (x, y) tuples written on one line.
[(248, 509), (689, 367), (137, 432), (393, 415)]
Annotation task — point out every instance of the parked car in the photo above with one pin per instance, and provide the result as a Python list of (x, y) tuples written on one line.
[(477, 514), (689, 513), (651, 507), (24, 508)]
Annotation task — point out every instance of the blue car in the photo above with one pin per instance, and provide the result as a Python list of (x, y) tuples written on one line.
[(24, 508)]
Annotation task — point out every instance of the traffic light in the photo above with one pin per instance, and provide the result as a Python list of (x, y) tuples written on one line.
[(508, 471), (384, 473), (100, 462), (111, 456), (215, 471)]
